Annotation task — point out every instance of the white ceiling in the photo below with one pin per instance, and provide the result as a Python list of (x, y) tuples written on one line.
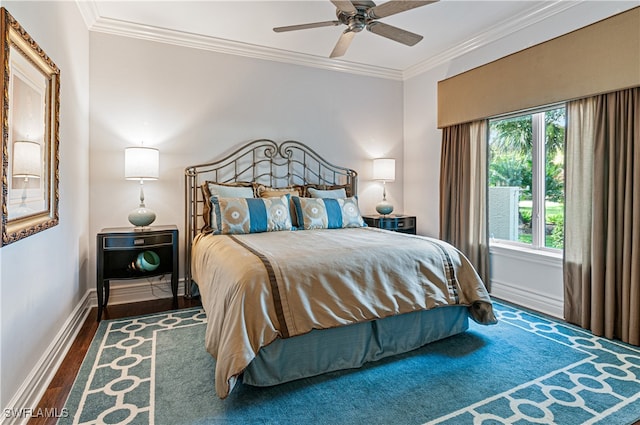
[(450, 28)]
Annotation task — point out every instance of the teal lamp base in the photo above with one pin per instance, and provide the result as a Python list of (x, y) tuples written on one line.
[(142, 216), (384, 207)]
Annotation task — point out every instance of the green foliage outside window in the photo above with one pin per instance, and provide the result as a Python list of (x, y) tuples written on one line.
[(510, 164)]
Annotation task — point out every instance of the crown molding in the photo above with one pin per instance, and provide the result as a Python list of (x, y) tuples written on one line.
[(96, 23), (492, 34), (89, 12), (197, 41)]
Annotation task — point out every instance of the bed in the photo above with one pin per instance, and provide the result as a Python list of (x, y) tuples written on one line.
[(293, 282)]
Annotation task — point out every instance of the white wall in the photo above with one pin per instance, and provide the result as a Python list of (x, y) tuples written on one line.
[(531, 280), (422, 150), (195, 105), (517, 280), (43, 277)]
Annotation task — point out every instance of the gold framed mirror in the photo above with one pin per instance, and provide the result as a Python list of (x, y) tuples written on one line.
[(30, 142)]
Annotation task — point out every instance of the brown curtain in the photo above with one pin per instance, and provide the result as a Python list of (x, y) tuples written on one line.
[(463, 193), (602, 243)]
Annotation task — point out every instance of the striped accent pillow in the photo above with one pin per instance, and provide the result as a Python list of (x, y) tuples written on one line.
[(327, 213), (251, 215)]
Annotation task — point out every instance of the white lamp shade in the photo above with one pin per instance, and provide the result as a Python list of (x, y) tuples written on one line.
[(141, 163), (26, 159), (384, 169)]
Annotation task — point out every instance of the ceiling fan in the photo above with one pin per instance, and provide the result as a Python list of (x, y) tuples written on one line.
[(364, 14)]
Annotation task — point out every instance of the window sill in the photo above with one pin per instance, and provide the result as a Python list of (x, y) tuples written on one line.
[(518, 252)]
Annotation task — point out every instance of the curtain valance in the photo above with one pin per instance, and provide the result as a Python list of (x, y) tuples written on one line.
[(600, 58)]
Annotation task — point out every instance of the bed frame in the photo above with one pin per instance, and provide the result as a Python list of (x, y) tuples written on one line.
[(262, 161), (319, 351)]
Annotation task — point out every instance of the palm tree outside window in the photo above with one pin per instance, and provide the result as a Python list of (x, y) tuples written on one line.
[(526, 178)]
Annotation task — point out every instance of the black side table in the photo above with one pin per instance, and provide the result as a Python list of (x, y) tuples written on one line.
[(395, 222), (118, 248)]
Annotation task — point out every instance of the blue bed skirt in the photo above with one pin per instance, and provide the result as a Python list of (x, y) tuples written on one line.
[(351, 346)]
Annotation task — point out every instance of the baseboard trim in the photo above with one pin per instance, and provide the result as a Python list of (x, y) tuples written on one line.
[(31, 391), (528, 299)]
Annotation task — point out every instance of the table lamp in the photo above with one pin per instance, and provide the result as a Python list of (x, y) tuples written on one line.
[(141, 163), (384, 169)]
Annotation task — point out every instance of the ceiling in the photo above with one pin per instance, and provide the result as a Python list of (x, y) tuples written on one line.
[(450, 28)]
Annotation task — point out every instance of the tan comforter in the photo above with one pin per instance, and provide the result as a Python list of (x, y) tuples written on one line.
[(259, 287)]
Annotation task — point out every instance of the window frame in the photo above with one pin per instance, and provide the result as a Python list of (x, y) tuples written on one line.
[(538, 183)]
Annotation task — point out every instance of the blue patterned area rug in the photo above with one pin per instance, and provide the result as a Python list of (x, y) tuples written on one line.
[(528, 369)]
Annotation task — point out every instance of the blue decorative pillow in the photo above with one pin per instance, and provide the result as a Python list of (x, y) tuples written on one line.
[(231, 190), (251, 215), (328, 213)]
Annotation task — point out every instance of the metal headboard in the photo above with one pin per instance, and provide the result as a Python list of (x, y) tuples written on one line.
[(262, 161)]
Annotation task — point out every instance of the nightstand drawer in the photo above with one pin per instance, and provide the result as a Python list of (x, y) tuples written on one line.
[(406, 222), (115, 242)]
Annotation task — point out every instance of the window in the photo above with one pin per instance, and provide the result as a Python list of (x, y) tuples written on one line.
[(526, 178)]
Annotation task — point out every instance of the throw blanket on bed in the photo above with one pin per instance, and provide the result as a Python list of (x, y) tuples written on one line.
[(259, 287)]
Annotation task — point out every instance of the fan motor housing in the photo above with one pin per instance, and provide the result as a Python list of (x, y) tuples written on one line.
[(358, 21)]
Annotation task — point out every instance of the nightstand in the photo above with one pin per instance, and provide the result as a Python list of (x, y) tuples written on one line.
[(119, 247), (396, 222)]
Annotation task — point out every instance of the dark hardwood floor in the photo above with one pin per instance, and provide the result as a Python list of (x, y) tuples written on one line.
[(58, 390)]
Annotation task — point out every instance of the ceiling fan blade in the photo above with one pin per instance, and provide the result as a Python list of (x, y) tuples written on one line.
[(307, 26), (394, 33), (395, 6), (343, 43), (345, 6)]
